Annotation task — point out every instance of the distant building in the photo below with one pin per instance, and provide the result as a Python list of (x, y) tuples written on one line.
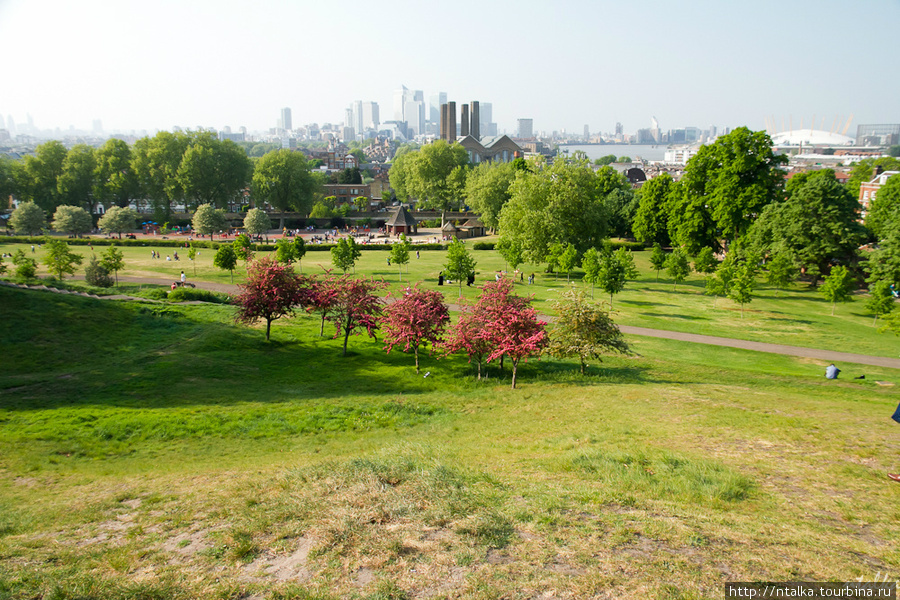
[(878, 135), (226, 134), (869, 189), (491, 149), (286, 119), (525, 129), (346, 193)]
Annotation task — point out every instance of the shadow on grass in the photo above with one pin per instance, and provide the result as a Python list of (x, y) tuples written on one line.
[(75, 351), (674, 316), (644, 303)]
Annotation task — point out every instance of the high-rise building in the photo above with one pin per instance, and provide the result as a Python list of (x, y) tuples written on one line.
[(414, 112), (486, 119), (370, 116), (526, 128), (286, 119), (434, 106), (587, 133), (401, 97)]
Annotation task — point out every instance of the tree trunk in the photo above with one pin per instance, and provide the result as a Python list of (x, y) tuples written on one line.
[(268, 328), (582, 366), (875, 320), (610, 300), (416, 353), (515, 363), (479, 369), (833, 304), (346, 337), (401, 272), (322, 328), (501, 361)]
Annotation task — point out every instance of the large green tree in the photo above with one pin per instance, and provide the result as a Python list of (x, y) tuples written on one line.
[(77, 182), (487, 190), (884, 211), (434, 175), (864, 171), (213, 171), (9, 179), (650, 223), (118, 220), (155, 162), (257, 222), (208, 220), (282, 179), (817, 224), (72, 219), (28, 218), (725, 186), (114, 177), (39, 175), (563, 204)]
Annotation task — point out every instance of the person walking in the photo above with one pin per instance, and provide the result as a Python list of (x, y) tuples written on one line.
[(183, 279)]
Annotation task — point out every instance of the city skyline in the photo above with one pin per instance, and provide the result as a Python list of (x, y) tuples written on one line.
[(138, 67)]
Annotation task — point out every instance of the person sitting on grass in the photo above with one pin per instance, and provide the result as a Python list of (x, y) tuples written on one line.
[(831, 371)]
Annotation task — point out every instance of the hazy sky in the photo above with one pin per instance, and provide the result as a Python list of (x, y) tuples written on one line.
[(153, 65)]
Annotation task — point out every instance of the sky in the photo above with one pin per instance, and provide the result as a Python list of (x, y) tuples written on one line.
[(139, 65)]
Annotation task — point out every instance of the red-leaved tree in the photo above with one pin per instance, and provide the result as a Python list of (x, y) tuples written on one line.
[(356, 306), (468, 335), (413, 320), (321, 294), (271, 291), (511, 324)]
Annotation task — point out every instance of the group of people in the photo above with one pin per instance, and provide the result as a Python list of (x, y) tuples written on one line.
[(155, 254)]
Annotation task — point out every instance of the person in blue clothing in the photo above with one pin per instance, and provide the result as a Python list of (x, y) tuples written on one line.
[(831, 371)]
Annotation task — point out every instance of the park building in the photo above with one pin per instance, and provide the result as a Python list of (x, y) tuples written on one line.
[(869, 189)]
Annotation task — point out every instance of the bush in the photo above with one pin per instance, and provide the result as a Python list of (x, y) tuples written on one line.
[(190, 294), (97, 275), (483, 246), (26, 267)]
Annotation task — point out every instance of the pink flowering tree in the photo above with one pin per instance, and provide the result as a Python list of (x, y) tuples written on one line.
[(271, 291), (356, 306), (467, 336), (413, 320), (321, 294), (511, 324)]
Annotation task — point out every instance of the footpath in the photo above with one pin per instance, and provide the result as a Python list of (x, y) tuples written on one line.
[(802, 352)]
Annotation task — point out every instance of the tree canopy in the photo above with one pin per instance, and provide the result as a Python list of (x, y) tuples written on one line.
[(271, 291), (208, 220), (583, 330), (435, 175), (28, 218), (487, 190), (118, 220), (282, 179), (73, 220)]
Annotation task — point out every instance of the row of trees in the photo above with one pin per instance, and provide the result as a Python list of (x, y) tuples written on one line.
[(167, 170), (499, 324)]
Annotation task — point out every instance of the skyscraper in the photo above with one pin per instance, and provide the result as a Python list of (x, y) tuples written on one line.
[(434, 106), (370, 116), (526, 128), (286, 119)]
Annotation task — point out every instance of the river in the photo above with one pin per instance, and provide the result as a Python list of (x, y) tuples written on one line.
[(594, 151)]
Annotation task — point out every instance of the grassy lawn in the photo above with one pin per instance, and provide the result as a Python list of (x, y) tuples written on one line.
[(158, 451), (799, 316)]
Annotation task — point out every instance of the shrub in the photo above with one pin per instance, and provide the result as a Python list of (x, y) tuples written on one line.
[(190, 294), (26, 267), (97, 275), (483, 246)]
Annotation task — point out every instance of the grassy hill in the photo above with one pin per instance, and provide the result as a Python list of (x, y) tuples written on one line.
[(156, 451)]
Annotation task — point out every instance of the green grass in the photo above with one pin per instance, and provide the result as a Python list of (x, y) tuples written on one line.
[(160, 451)]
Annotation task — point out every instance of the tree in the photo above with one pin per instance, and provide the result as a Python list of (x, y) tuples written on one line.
[(487, 190), (729, 181), (416, 318), (72, 219), (113, 260), (782, 271), (565, 204), (838, 286), (658, 259), (435, 175), (883, 262), (512, 324), (321, 295), (881, 299), (361, 203), (864, 169), (321, 211), (28, 218), (96, 274), (460, 263), (271, 291), (615, 269), (115, 181), (741, 287), (213, 171), (468, 334), (192, 256), (356, 306), (226, 259), (511, 252), (400, 253), (583, 330), (257, 222), (817, 224), (9, 177), (342, 255), (677, 266), (244, 247), (568, 259), (650, 223), (554, 253), (719, 283), (591, 264), (60, 260), (155, 162), (39, 175), (299, 250), (77, 181), (621, 208), (118, 220), (282, 179), (208, 220), (26, 267), (284, 251), (705, 262)]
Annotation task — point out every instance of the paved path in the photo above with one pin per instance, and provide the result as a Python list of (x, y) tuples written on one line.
[(825, 355)]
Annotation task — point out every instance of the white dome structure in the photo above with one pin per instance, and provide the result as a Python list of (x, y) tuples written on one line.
[(811, 137)]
